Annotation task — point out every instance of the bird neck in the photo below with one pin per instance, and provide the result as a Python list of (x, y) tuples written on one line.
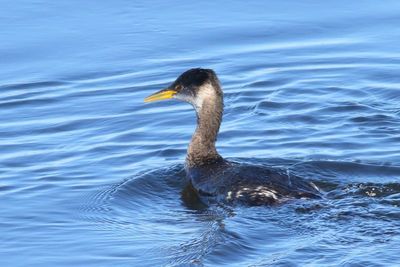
[(202, 149)]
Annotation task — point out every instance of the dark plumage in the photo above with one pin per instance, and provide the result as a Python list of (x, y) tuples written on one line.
[(212, 177)]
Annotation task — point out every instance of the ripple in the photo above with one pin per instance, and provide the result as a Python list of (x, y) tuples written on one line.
[(150, 201), (90, 175)]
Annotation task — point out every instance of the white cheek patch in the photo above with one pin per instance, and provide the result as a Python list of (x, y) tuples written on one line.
[(206, 91)]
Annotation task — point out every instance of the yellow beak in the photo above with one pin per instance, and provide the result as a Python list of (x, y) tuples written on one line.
[(160, 95)]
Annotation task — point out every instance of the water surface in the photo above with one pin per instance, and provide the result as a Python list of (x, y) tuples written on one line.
[(92, 176)]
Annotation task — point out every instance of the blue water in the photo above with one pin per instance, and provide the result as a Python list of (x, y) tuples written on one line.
[(92, 176)]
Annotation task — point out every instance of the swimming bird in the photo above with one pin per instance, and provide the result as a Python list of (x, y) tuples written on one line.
[(213, 178)]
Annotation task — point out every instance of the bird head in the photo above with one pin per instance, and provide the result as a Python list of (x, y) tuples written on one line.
[(193, 86)]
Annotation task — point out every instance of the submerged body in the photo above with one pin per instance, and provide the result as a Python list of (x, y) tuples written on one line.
[(213, 178), (242, 183)]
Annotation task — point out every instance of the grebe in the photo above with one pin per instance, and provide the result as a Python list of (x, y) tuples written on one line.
[(213, 178)]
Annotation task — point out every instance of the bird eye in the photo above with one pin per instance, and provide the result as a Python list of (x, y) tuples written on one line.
[(178, 87)]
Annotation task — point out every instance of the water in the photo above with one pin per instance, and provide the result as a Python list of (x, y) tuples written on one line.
[(92, 176)]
